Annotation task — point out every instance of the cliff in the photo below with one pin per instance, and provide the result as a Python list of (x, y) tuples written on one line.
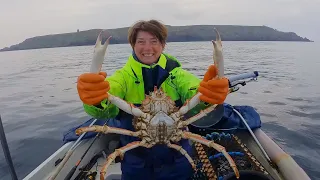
[(176, 34)]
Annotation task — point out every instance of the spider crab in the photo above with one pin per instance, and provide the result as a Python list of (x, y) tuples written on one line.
[(157, 120)]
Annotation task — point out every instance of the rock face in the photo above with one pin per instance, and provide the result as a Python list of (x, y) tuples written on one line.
[(176, 34)]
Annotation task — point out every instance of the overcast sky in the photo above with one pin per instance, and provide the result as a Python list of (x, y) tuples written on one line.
[(21, 19)]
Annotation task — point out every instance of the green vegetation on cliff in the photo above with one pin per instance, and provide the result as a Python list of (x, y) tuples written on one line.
[(176, 34)]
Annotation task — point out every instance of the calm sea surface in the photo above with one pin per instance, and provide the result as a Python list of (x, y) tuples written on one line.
[(39, 100)]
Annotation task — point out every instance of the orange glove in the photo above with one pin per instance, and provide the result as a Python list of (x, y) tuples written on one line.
[(214, 91), (92, 88)]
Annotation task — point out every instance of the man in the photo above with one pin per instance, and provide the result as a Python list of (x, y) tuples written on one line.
[(147, 67)]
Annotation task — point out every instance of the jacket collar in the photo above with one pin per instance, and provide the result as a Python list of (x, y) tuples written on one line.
[(136, 66), (161, 61)]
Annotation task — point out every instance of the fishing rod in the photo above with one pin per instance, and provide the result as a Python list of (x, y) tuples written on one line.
[(233, 83), (72, 171), (84, 170), (68, 154), (6, 151)]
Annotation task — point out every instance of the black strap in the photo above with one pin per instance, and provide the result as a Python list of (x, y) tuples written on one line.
[(137, 79)]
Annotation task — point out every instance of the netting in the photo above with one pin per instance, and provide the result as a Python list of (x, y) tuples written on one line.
[(212, 164)]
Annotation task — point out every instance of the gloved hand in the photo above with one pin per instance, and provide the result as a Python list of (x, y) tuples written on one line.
[(214, 91), (92, 88)]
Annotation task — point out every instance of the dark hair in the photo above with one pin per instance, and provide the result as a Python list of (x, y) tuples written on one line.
[(152, 26)]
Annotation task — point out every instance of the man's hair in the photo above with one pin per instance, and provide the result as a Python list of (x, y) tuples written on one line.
[(154, 27)]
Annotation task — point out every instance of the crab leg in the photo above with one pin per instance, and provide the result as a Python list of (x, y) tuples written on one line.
[(128, 108), (217, 54), (119, 152), (194, 118), (183, 152), (99, 53), (96, 64), (218, 62), (199, 139), (106, 129)]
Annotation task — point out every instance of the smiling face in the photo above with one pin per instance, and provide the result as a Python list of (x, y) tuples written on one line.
[(147, 47)]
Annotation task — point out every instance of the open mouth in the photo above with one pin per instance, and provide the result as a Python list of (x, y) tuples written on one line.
[(147, 54)]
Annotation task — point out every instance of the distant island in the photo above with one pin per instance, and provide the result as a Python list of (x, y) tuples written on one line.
[(176, 34)]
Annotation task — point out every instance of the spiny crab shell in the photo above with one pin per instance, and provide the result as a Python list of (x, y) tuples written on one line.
[(161, 128)]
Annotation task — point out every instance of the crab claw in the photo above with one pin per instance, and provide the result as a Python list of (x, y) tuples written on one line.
[(99, 53), (217, 54)]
